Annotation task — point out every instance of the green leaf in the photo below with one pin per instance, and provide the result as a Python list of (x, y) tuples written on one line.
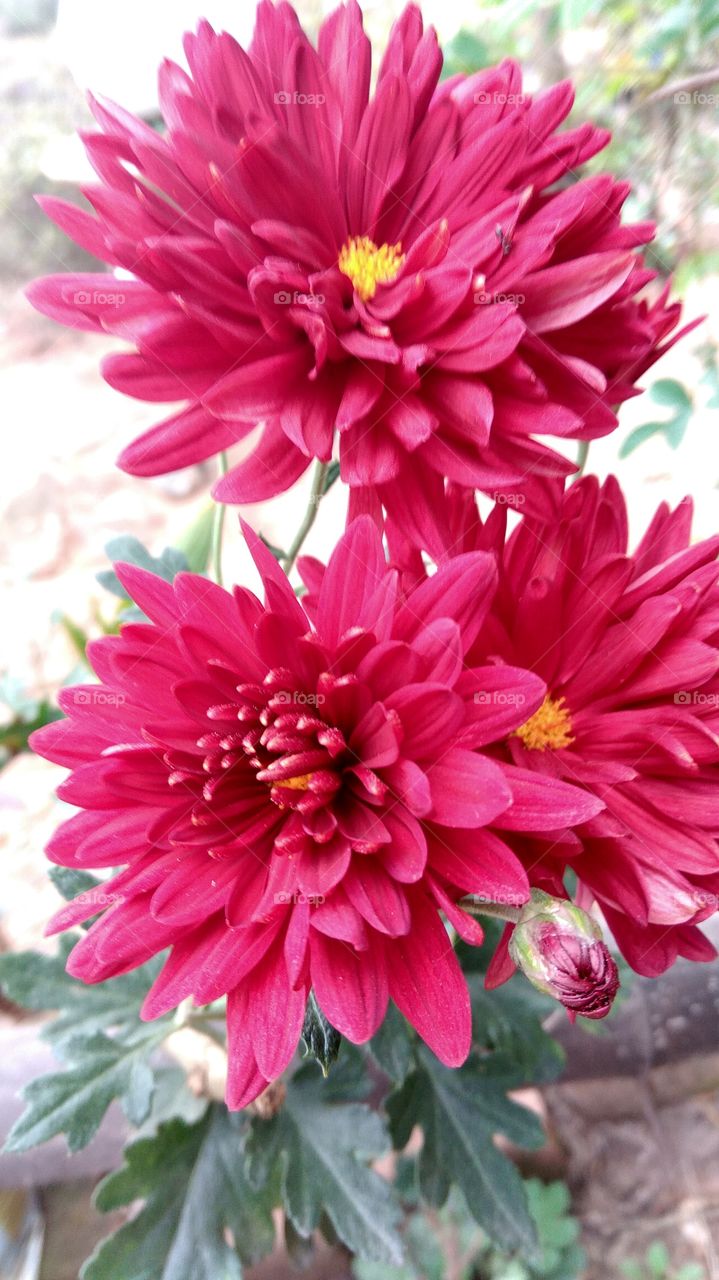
[(129, 550), (508, 1021), (331, 475), (28, 714), (319, 1149), (74, 1101), (459, 1112), (70, 882), (277, 552), (195, 542), (670, 392), (195, 1191), (391, 1046), (638, 436), (320, 1039), (40, 982)]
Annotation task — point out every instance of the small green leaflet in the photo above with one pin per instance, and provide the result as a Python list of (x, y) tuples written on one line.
[(669, 392), (459, 1112), (320, 1039), (320, 1151), (191, 1179), (331, 475), (74, 1101), (129, 550)]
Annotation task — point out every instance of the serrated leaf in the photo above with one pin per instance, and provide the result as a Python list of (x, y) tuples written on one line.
[(508, 1022), (75, 1100), (130, 550), (320, 1150), (191, 1179), (459, 1112), (70, 882), (321, 1040), (391, 1046), (41, 982)]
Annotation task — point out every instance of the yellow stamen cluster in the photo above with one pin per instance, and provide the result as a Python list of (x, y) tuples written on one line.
[(550, 726), (368, 265), (300, 783)]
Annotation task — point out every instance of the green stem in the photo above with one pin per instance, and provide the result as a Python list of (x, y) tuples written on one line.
[(316, 494), (582, 455), (218, 526), (498, 910)]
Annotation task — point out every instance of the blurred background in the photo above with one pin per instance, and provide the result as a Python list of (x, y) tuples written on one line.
[(643, 1172)]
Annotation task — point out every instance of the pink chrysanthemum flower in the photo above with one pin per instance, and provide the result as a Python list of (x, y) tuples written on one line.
[(399, 270), (296, 803), (628, 646)]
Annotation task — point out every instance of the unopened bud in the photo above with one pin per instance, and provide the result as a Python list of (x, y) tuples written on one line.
[(560, 949)]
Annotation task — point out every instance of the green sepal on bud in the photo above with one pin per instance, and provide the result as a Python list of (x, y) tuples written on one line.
[(560, 949)]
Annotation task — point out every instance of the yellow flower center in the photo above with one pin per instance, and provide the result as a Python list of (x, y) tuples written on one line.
[(300, 783), (550, 726), (368, 265)]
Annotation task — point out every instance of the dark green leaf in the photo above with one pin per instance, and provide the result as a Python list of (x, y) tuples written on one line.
[(301, 1249), (459, 1112), (508, 1022), (319, 1149), (70, 882), (74, 1101), (277, 552), (391, 1047), (331, 475), (191, 1179), (321, 1040)]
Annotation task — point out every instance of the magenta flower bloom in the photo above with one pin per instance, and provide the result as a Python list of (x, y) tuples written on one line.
[(628, 646), (296, 803), (396, 273)]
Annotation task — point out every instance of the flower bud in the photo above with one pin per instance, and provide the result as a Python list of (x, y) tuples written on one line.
[(560, 949)]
